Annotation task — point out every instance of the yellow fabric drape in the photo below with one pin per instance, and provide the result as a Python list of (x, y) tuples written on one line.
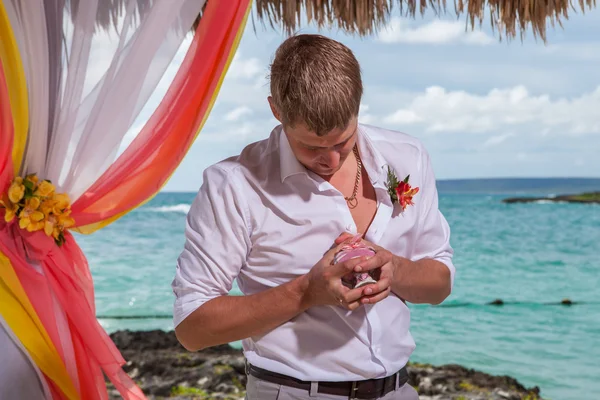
[(22, 319), (17, 88)]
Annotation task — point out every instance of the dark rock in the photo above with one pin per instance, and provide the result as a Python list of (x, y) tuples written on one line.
[(583, 198), (163, 368)]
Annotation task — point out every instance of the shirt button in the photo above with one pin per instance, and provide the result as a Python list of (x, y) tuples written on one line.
[(348, 227)]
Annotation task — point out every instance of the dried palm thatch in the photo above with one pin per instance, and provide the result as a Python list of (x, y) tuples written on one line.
[(365, 17)]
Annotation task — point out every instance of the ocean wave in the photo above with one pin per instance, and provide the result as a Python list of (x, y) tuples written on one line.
[(178, 208), (549, 202)]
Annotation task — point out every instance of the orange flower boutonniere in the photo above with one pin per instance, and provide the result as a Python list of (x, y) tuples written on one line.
[(400, 191)]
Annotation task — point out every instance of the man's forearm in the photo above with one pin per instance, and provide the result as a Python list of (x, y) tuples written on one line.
[(229, 318), (423, 281)]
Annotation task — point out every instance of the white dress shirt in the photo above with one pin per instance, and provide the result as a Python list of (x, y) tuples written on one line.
[(264, 219)]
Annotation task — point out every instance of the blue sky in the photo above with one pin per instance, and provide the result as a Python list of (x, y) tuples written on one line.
[(482, 107)]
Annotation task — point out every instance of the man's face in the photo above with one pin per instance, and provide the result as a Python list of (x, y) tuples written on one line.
[(324, 155)]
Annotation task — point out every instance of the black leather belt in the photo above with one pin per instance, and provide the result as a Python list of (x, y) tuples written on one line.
[(365, 389)]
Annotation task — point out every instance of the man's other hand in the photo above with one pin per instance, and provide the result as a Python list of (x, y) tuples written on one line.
[(323, 284)]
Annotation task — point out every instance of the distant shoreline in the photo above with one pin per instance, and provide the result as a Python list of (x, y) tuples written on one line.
[(499, 186), (582, 198)]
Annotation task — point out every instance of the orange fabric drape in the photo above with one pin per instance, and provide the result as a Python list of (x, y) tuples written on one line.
[(145, 166)]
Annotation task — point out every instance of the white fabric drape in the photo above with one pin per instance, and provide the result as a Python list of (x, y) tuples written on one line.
[(88, 80), (20, 378), (32, 21)]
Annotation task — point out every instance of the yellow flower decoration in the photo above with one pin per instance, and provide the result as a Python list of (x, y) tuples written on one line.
[(55, 224), (44, 189), (62, 202), (16, 190), (38, 207), (32, 178), (10, 207), (30, 218)]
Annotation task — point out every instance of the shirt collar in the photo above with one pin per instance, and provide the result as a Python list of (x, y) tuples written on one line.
[(371, 158), (289, 164)]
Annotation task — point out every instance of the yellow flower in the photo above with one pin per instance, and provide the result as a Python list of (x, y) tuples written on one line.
[(65, 220), (49, 225), (30, 218), (16, 190), (55, 224), (47, 206), (35, 226), (44, 189), (10, 207), (62, 202), (32, 178)]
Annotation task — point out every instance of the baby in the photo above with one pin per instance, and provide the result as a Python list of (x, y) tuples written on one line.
[(355, 248)]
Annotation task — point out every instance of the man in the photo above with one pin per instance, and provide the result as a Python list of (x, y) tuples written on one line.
[(273, 218)]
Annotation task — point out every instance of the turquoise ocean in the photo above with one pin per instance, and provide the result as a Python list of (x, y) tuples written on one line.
[(529, 255)]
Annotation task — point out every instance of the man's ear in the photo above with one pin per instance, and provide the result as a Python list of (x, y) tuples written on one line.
[(274, 109)]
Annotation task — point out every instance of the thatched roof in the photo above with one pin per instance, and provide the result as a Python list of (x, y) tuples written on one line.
[(508, 18)]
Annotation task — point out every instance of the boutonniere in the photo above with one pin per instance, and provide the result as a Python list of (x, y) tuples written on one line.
[(400, 191)]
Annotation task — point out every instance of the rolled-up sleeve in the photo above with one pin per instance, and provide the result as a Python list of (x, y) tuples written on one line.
[(216, 243), (433, 239)]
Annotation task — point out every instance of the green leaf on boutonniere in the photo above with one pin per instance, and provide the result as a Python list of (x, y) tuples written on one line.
[(392, 184)]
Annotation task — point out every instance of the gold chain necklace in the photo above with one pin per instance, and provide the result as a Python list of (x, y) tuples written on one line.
[(352, 201)]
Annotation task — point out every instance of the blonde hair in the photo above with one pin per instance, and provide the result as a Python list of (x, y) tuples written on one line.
[(316, 81)]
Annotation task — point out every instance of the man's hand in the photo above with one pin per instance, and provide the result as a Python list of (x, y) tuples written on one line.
[(382, 268), (324, 282), (423, 281)]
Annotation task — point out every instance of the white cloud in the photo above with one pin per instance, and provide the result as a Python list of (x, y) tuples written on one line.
[(496, 140), (401, 30), (363, 115), (241, 68), (240, 132), (573, 51), (403, 117), (237, 113), (439, 110)]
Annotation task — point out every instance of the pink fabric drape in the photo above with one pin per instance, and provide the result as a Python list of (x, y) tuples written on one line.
[(65, 274), (149, 161)]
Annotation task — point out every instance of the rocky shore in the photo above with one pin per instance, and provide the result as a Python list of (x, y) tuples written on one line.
[(586, 198), (164, 369)]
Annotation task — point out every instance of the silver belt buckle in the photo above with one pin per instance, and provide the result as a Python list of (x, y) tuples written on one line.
[(353, 391)]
